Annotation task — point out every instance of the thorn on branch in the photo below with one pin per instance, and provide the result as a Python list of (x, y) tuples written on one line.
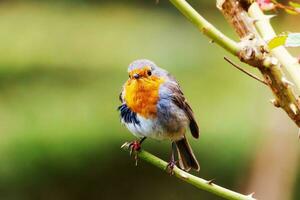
[(220, 4), (265, 17), (254, 20), (210, 182), (251, 195), (248, 73), (294, 108), (275, 102)]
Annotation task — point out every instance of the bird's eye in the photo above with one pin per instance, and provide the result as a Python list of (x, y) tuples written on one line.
[(149, 73), (129, 76)]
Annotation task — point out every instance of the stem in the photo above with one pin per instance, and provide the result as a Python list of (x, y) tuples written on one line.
[(251, 49), (269, 66), (267, 32), (205, 27), (193, 180)]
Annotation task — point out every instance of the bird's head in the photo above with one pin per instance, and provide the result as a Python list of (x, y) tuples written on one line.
[(144, 69), (142, 87)]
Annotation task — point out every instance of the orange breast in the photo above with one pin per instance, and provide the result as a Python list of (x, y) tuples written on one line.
[(141, 95)]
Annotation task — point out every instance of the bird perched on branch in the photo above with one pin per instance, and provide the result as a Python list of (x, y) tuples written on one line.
[(154, 106)]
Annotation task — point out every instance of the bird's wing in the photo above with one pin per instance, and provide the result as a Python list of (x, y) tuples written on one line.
[(179, 100)]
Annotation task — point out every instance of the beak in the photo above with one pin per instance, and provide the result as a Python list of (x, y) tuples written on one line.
[(136, 76)]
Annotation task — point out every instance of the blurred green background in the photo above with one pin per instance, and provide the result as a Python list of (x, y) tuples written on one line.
[(62, 65)]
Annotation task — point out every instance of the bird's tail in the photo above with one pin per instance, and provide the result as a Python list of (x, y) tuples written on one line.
[(186, 157)]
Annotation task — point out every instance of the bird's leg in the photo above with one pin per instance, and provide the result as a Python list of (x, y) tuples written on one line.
[(134, 146), (172, 162)]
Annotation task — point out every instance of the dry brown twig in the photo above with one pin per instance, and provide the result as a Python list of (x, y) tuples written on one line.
[(244, 71)]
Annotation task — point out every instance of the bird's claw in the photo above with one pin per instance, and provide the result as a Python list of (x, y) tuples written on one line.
[(170, 167), (126, 144), (134, 146)]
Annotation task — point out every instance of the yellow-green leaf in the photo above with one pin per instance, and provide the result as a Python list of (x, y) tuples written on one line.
[(277, 41), (290, 11), (294, 4)]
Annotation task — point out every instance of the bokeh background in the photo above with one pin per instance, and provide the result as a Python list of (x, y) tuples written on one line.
[(62, 65)]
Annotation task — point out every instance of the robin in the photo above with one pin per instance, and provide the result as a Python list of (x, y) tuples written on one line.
[(154, 106)]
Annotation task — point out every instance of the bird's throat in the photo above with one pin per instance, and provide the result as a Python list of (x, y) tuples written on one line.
[(141, 95)]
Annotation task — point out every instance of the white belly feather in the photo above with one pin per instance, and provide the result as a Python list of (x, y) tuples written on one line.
[(146, 128), (150, 128)]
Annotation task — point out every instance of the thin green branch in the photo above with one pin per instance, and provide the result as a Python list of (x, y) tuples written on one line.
[(205, 27), (267, 32), (193, 180)]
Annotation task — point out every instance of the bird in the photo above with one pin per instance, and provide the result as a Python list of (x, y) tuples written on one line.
[(153, 106)]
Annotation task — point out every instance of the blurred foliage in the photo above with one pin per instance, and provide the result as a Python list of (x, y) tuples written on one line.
[(62, 66)]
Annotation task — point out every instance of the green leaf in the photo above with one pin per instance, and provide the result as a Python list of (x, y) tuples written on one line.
[(291, 12), (277, 41), (294, 4), (288, 40), (293, 40)]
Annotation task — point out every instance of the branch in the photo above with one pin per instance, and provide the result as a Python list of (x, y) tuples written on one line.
[(205, 27), (255, 53), (252, 49), (267, 32), (200, 183)]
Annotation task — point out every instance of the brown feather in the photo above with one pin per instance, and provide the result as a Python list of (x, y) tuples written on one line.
[(187, 159), (179, 99)]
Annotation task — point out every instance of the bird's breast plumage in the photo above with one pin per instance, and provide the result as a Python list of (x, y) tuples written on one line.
[(142, 95)]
